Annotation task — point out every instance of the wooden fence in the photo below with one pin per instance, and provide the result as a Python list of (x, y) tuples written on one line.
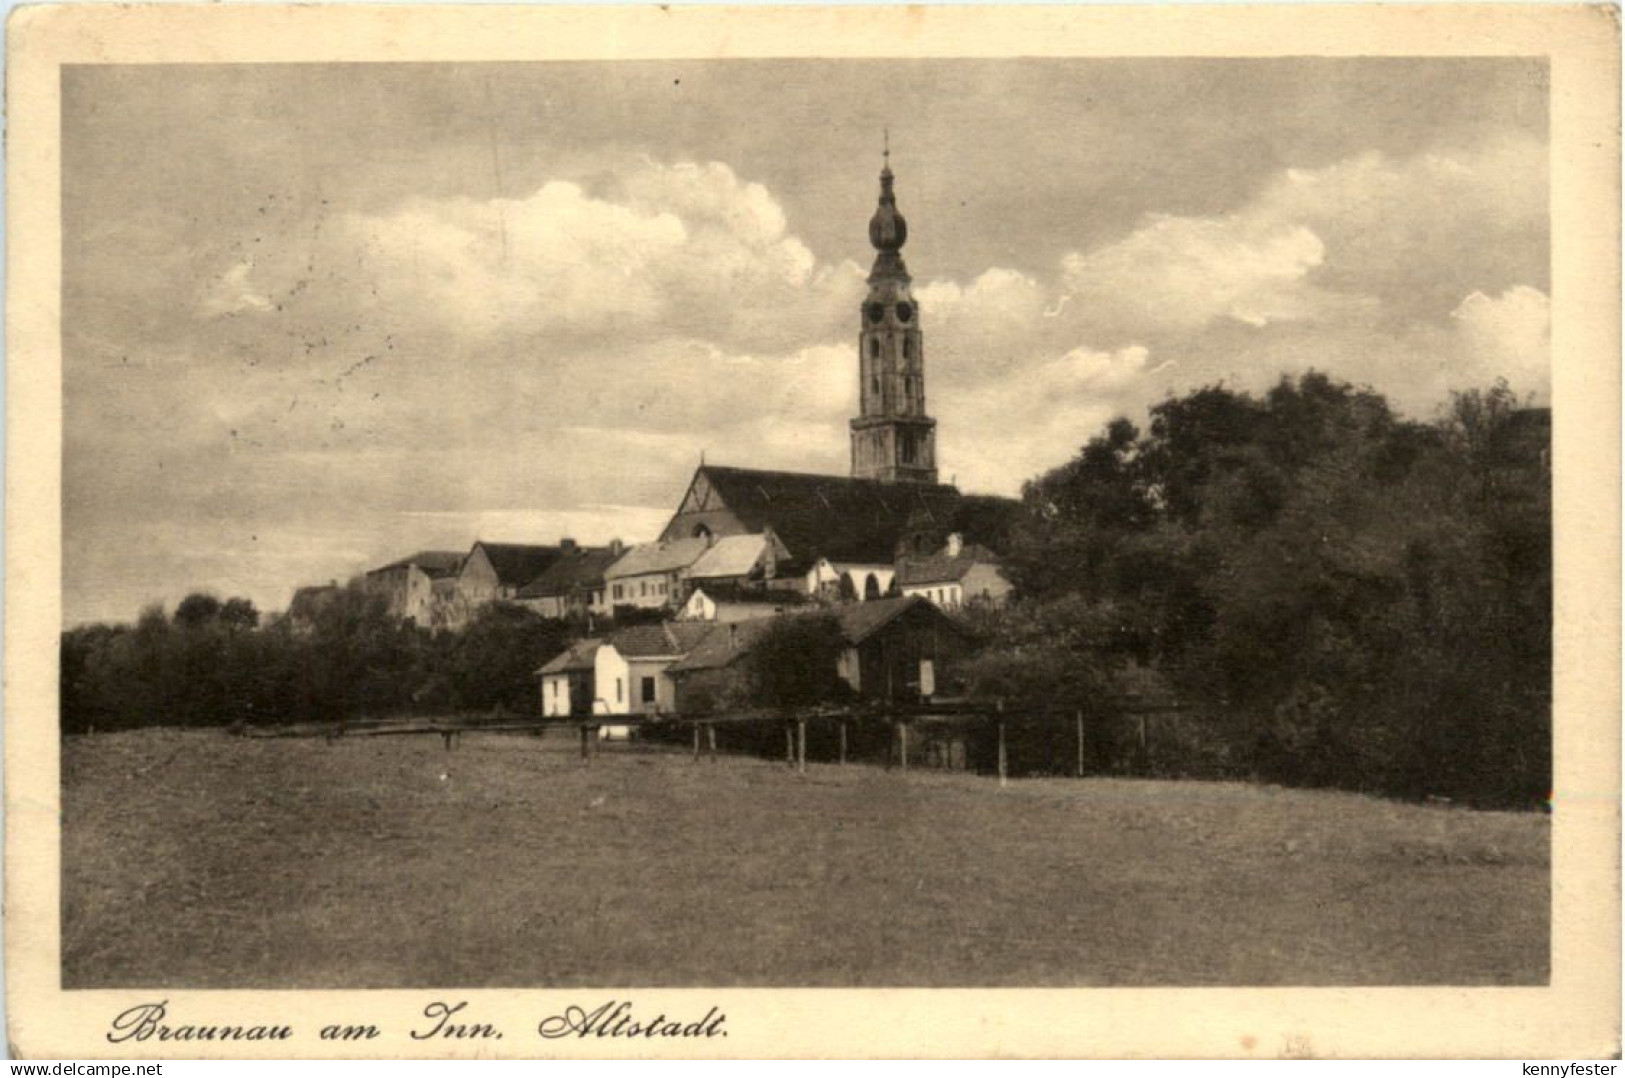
[(978, 736)]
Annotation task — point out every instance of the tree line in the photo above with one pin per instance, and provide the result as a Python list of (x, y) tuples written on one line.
[(1344, 597), (1339, 596), (214, 663)]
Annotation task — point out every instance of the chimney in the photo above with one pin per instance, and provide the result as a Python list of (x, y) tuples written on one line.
[(616, 548), (567, 544), (956, 543)]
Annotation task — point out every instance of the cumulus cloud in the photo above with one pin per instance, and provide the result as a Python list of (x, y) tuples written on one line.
[(684, 249), (1179, 274), (1368, 237), (1508, 336)]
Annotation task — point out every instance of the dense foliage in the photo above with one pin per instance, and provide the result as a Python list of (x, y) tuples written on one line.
[(1353, 599), (211, 664)]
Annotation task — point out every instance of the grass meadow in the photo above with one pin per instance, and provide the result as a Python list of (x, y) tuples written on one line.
[(201, 860)]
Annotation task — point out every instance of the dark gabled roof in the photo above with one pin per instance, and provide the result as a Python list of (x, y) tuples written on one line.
[(579, 656), (434, 563), (516, 564), (575, 570), (860, 621), (846, 519), (724, 643), (940, 568), (668, 638)]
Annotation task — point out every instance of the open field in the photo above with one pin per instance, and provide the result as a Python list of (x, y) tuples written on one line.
[(196, 859)]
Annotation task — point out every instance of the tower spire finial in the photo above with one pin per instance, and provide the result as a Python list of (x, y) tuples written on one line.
[(885, 135)]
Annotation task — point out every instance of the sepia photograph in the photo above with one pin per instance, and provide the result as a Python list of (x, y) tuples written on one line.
[(805, 521)]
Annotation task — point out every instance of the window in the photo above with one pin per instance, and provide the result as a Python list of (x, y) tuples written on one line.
[(617, 591), (874, 347), (643, 588), (619, 691), (648, 690), (874, 384), (908, 347)]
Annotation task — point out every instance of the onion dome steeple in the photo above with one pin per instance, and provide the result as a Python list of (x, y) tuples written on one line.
[(888, 231)]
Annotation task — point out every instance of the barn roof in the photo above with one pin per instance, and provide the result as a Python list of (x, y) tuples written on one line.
[(847, 519), (579, 656), (860, 621), (941, 568), (517, 564), (434, 563), (580, 568), (669, 638), (722, 644)]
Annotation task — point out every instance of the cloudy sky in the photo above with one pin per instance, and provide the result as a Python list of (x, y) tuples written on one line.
[(316, 317)]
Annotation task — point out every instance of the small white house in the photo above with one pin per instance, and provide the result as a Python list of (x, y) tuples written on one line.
[(568, 681), (722, 603), (629, 670), (958, 574)]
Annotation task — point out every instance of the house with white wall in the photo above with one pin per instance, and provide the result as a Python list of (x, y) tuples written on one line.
[(959, 574), (730, 603), (629, 670), (568, 681), (649, 575)]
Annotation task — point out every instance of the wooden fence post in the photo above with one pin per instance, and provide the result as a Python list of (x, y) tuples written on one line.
[(789, 746), (711, 740), (583, 730), (801, 745), (902, 751), (1003, 763), (1080, 743), (696, 742), (843, 741)]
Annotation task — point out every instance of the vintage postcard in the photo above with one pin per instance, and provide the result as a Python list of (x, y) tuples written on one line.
[(793, 531)]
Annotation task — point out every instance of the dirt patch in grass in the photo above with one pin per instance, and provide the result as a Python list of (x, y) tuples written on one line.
[(199, 860)]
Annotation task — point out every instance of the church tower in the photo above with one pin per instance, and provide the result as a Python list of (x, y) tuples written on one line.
[(893, 440)]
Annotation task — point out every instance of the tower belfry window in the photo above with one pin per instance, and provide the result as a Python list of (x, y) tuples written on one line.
[(874, 347)]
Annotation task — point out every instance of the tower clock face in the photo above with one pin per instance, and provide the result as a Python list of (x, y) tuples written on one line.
[(905, 311), (875, 312)]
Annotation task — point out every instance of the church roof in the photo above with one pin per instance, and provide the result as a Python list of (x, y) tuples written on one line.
[(854, 520)]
